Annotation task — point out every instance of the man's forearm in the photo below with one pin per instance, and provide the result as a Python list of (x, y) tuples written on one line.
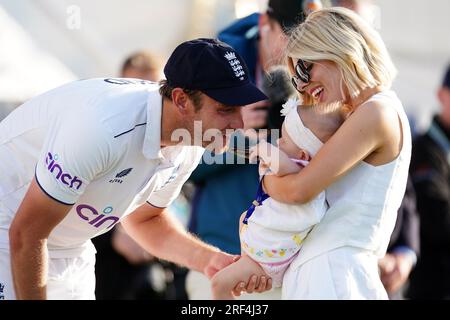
[(29, 268), (164, 237)]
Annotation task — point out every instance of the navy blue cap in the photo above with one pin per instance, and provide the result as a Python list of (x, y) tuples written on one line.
[(214, 68), (446, 81)]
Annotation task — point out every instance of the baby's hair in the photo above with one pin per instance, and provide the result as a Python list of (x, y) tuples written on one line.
[(323, 119)]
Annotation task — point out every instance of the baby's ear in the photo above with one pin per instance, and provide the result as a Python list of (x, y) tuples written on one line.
[(304, 155)]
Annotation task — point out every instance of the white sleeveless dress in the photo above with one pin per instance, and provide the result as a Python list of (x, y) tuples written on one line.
[(339, 258)]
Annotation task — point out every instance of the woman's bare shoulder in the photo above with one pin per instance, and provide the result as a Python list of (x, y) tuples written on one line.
[(376, 114)]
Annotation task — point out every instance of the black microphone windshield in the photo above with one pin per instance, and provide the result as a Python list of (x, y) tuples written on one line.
[(277, 85)]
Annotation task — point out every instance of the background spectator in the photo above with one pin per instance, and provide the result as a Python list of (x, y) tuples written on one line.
[(430, 170)]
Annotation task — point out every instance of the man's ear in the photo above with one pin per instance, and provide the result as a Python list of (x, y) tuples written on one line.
[(304, 155), (440, 95), (180, 100), (263, 23)]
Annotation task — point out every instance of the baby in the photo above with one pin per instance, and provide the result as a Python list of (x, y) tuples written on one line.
[(272, 232)]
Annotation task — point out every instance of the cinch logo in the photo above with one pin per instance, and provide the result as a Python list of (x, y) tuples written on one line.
[(120, 175), (65, 178), (89, 213)]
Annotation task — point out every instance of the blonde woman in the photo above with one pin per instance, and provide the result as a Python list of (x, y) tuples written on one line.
[(336, 56)]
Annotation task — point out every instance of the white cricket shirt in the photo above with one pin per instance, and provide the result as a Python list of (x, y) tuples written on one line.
[(93, 144)]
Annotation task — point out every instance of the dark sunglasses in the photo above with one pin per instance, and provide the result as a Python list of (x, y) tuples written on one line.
[(302, 74)]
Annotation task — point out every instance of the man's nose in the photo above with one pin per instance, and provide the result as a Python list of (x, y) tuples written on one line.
[(237, 122)]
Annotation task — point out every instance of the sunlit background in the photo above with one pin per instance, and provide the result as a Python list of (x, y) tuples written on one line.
[(45, 43)]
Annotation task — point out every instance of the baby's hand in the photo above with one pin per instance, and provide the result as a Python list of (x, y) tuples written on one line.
[(273, 159), (264, 169), (263, 151)]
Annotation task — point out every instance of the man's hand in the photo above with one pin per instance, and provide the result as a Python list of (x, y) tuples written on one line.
[(254, 115), (394, 271), (219, 261), (253, 285)]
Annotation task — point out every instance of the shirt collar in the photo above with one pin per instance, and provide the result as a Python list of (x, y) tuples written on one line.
[(152, 140)]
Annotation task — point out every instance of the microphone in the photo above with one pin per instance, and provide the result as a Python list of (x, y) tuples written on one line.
[(278, 88)]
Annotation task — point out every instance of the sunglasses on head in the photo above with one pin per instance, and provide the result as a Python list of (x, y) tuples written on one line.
[(302, 73)]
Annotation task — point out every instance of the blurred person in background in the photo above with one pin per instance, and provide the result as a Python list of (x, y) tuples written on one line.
[(224, 191), (362, 7), (141, 65), (430, 170), (404, 247), (400, 259)]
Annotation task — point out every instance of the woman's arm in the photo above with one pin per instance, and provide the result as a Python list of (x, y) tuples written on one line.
[(367, 131)]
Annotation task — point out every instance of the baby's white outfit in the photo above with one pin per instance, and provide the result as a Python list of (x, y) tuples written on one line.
[(273, 232)]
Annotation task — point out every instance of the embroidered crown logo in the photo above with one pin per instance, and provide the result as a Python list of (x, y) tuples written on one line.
[(235, 65), (230, 55)]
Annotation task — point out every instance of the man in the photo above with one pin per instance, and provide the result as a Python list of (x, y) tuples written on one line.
[(229, 188), (76, 160), (430, 170)]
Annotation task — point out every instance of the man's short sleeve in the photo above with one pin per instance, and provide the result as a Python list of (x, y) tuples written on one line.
[(72, 155), (171, 188)]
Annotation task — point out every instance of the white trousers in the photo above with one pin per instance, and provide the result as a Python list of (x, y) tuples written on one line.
[(345, 273), (198, 287), (68, 278)]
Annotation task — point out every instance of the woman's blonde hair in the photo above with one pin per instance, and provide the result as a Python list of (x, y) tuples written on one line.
[(341, 36)]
